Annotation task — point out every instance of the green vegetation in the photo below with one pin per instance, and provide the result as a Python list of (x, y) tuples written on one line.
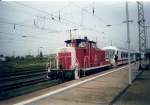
[(28, 62)]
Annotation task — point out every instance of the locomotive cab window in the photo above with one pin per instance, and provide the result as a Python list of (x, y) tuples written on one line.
[(106, 54), (94, 45)]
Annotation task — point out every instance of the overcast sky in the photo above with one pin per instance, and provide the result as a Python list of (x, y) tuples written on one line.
[(28, 27)]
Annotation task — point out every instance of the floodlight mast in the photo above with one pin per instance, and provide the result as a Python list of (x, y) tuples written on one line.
[(128, 40), (141, 29)]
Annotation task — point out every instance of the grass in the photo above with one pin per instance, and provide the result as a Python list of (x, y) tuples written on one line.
[(13, 66)]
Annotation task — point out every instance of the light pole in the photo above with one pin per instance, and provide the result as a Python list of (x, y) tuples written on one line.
[(128, 40), (25, 36), (108, 25)]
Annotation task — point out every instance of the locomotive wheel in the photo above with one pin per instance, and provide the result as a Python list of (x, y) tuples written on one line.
[(53, 75)]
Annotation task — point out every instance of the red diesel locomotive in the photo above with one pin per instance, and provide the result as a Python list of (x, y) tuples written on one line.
[(78, 57)]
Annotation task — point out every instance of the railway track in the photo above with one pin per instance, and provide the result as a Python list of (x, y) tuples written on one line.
[(21, 82), (13, 84)]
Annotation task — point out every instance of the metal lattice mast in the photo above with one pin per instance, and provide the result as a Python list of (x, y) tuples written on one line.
[(141, 28)]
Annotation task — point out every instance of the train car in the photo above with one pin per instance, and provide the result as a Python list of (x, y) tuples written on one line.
[(119, 56), (78, 57)]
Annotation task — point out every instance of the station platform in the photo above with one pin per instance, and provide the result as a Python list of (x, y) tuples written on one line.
[(138, 93), (98, 89)]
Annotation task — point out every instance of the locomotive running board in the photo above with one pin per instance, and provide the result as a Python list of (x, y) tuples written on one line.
[(96, 67)]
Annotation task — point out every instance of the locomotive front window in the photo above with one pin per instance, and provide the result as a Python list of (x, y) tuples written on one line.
[(110, 54), (82, 44), (68, 45)]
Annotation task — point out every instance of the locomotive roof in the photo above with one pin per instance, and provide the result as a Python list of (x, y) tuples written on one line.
[(114, 48), (110, 48), (79, 40)]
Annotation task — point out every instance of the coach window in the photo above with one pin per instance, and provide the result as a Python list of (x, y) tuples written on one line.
[(126, 55), (122, 54)]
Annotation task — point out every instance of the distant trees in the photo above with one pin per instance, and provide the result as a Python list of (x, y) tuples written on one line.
[(28, 59), (25, 60)]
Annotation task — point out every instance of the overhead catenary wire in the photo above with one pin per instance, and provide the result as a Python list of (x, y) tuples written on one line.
[(21, 24), (31, 34), (53, 17), (85, 9), (66, 21), (20, 37), (14, 25), (70, 22)]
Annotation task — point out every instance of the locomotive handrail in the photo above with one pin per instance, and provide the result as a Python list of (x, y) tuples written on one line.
[(78, 67), (51, 64), (86, 59)]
